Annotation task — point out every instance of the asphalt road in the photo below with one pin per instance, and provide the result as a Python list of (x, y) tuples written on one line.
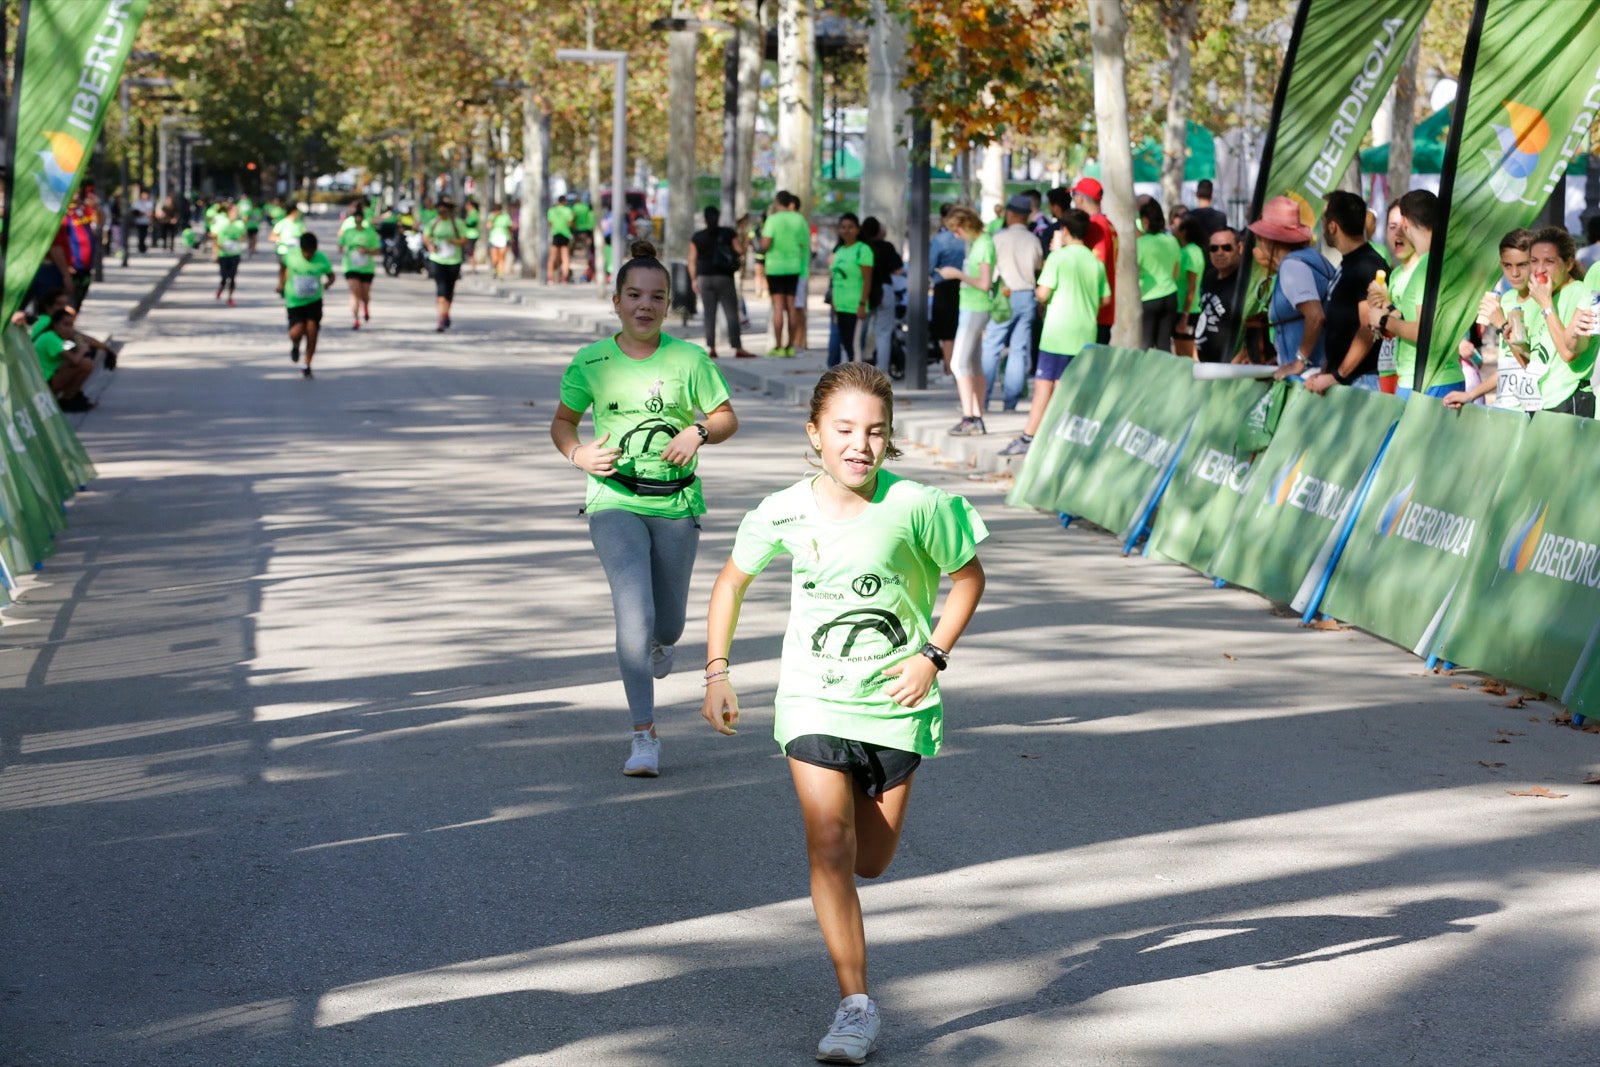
[(310, 741)]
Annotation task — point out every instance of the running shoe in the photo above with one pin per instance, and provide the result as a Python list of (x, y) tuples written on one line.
[(439, 328), (219, 292), (366, 313), (230, 301), (356, 325), (294, 352), (1017, 447), (854, 1033), (305, 372), (77, 403), (660, 659), (968, 427), (712, 352), (740, 353), (645, 759), (447, 322), (777, 353)]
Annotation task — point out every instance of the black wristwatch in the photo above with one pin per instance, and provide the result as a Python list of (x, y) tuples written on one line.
[(940, 658), (705, 434)]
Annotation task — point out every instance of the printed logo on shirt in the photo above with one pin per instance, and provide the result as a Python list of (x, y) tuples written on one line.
[(653, 403), (856, 625), (814, 593), (786, 520), (867, 585), (613, 406), (640, 440)]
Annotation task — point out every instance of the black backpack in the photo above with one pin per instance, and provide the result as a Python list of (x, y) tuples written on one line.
[(723, 259)]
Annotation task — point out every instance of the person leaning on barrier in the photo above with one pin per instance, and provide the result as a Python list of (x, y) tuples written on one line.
[(1301, 278), (1352, 354), (1569, 343), (1220, 321), (1492, 313)]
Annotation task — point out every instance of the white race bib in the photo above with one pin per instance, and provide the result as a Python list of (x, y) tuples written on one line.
[(307, 286), (1386, 364), (232, 248), (1518, 387), (444, 249), (359, 259)]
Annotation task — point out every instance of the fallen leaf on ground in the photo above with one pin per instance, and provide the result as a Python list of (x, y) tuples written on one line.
[(1459, 685), (1493, 688), (1490, 763), (1514, 702), (1534, 718), (1536, 791), (1027, 755), (1591, 728), (1500, 740), (1593, 779), (1326, 624), (1234, 658), (1503, 732), (1441, 670)]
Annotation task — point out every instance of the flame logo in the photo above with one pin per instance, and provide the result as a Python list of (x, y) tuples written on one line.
[(61, 162), (1283, 485), (1521, 140), (1394, 510), (1518, 550)]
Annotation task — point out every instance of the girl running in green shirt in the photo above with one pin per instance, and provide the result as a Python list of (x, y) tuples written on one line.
[(499, 240), (643, 497), (363, 249), (858, 702)]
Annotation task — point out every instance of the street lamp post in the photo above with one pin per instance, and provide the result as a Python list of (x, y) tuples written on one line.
[(619, 144)]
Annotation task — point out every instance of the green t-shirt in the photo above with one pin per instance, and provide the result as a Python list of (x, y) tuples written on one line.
[(1533, 323), (791, 243), (303, 283), (1077, 282), (1192, 265), (643, 404), (49, 345), (994, 226), (248, 212), (862, 599), (582, 217), (1561, 379), (286, 234), (425, 217), (845, 269), (446, 237), (981, 251), (274, 212), (363, 249), (231, 238), (1158, 255), (1407, 297), (560, 218), (499, 227)]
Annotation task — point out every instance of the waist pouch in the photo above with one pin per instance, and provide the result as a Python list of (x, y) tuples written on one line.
[(652, 486)]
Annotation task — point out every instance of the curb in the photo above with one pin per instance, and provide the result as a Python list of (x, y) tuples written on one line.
[(153, 297)]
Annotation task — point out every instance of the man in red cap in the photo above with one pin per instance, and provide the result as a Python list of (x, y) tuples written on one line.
[(1086, 197)]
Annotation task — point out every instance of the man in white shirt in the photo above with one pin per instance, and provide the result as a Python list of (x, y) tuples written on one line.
[(1018, 258), (142, 207)]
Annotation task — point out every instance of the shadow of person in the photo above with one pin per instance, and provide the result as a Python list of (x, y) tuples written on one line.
[(1272, 943)]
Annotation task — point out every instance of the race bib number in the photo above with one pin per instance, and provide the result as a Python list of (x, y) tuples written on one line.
[(1386, 364), (444, 249), (307, 286), (232, 248), (1518, 387), (359, 259)]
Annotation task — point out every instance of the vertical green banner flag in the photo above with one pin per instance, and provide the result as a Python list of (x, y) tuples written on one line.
[(1529, 92), (1407, 558), (1342, 57), (69, 59)]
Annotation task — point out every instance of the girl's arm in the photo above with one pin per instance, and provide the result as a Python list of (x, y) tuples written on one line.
[(721, 423), (721, 704), (917, 672), (591, 458)]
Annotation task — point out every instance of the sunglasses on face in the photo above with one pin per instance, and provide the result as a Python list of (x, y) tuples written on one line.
[(1221, 248)]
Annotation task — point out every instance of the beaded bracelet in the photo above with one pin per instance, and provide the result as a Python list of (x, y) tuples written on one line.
[(712, 676)]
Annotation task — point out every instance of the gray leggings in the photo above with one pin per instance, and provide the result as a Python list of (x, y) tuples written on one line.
[(648, 562), (720, 291)]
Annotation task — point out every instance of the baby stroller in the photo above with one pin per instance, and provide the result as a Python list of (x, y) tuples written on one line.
[(402, 253), (902, 335)]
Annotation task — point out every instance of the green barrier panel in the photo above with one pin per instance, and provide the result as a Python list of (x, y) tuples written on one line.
[(1075, 424), (39, 505), (1413, 545), (1301, 489), (76, 469), (1140, 436), (1528, 610), (1199, 505)]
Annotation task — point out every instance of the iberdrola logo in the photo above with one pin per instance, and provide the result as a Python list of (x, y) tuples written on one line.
[(1519, 548), (1389, 518), (1522, 138), (61, 162), (1283, 484)]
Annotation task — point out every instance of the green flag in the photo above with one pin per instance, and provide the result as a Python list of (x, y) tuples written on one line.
[(1529, 93), (69, 59), (1342, 57)]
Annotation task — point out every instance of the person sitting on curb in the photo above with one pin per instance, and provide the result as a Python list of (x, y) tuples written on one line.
[(64, 367), (48, 303)]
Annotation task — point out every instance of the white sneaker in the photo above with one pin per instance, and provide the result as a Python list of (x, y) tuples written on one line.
[(660, 659), (645, 760), (854, 1033)]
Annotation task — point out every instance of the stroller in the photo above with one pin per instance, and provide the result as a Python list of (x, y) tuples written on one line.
[(902, 335), (402, 252)]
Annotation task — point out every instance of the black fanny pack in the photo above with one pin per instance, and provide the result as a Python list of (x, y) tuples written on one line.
[(652, 486)]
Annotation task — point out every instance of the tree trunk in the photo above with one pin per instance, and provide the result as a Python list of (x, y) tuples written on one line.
[(1180, 18), (1405, 121), (991, 180), (797, 66), (752, 48), (1108, 30), (533, 226), (594, 140), (681, 45), (883, 178)]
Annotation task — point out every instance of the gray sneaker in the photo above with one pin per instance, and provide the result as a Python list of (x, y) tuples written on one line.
[(660, 659), (1017, 447), (854, 1033), (969, 427), (645, 760)]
